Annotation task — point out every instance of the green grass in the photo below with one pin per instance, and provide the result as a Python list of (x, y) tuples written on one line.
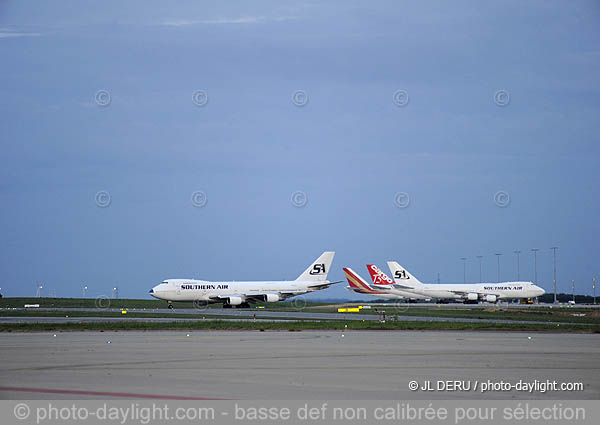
[(86, 303), (298, 325), (131, 314), (538, 314)]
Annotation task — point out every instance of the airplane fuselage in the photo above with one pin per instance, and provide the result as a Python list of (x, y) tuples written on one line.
[(474, 291), (204, 290)]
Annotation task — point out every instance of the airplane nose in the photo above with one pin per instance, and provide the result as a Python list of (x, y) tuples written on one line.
[(151, 291)]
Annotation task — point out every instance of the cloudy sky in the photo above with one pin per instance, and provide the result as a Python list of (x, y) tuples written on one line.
[(416, 131)]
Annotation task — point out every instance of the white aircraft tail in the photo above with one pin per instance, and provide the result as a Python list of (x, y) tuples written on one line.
[(402, 276), (319, 269)]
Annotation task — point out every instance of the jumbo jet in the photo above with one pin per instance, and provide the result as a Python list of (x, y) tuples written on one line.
[(468, 292), (360, 286), (241, 294)]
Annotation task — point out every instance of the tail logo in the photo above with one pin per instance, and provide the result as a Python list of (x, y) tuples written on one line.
[(379, 277), (401, 274), (318, 269)]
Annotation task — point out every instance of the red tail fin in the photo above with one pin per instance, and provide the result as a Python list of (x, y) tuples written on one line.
[(379, 277), (357, 283)]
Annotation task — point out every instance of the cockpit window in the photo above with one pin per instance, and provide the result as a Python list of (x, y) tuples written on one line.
[(165, 281)]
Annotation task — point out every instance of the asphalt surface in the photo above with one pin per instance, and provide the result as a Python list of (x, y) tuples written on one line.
[(315, 365), (38, 319)]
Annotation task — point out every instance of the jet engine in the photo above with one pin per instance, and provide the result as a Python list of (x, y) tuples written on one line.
[(491, 298), (235, 300), (472, 296), (272, 298)]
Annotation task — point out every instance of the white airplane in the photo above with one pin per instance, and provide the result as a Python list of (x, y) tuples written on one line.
[(360, 286), (240, 294), (468, 292)]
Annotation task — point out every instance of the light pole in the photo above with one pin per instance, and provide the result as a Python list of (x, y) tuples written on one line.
[(498, 257), (84, 291), (464, 259), (554, 248), (535, 250), (518, 266), (573, 289), (116, 292), (480, 270), (38, 293), (593, 287)]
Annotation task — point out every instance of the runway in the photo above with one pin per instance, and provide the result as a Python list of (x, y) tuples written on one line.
[(38, 319), (316, 365)]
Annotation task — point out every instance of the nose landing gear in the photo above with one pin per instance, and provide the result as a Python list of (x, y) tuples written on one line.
[(170, 305)]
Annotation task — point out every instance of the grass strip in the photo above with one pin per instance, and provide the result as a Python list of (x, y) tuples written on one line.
[(298, 325)]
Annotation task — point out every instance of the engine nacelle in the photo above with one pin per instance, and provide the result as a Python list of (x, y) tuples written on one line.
[(272, 298), (491, 298), (472, 296), (235, 300)]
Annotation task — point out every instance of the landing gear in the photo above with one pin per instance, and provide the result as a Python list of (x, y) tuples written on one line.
[(242, 305), (170, 305)]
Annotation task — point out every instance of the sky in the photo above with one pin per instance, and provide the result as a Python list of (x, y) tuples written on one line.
[(223, 141)]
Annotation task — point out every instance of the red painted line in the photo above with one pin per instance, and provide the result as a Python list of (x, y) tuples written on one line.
[(105, 394)]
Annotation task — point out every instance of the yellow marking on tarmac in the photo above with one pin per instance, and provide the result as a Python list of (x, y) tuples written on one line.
[(350, 309)]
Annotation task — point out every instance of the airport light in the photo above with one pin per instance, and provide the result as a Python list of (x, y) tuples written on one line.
[(554, 248), (38, 293), (573, 289), (518, 266), (464, 259), (498, 257), (593, 287), (480, 269), (84, 291), (535, 250), (116, 292)]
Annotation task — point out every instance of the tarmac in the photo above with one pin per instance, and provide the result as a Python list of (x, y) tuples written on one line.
[(313, 365)]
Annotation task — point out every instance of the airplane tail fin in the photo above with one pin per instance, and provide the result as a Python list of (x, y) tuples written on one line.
[(357, 283), (402, 276), (319, 269), (378, 277)]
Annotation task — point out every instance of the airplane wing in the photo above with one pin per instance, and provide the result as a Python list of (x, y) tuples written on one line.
[(223, 297), (324, 285), (392, 285), (262, 296), (464, 293), (479, 295), (398, 286), (259, 296)]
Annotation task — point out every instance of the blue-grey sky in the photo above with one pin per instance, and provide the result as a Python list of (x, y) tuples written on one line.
[(452, 148)]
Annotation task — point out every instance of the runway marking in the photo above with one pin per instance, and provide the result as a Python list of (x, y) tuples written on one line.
[(106, 394)]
